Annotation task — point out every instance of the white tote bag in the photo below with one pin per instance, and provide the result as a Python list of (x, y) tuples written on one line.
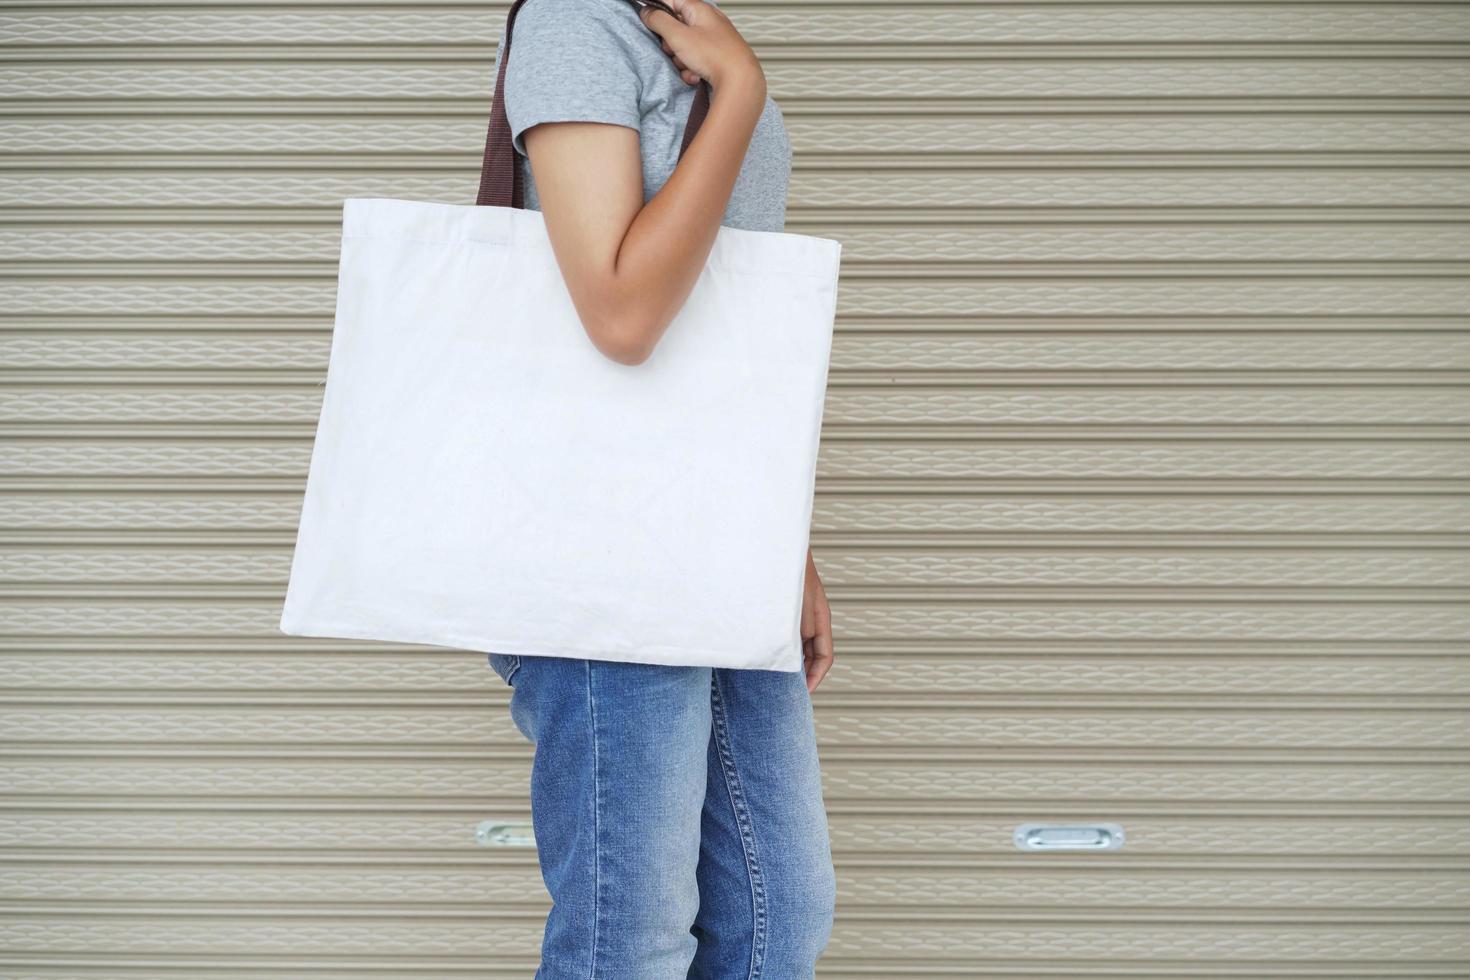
[(484, 478)]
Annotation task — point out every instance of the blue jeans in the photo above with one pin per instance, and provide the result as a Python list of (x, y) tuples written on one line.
[(678, 817)]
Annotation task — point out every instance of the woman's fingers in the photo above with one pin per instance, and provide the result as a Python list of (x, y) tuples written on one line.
[(682, 7), (817, 664), (663, 24), (822, 656), (816, 627), (685, 72), (704, 40)]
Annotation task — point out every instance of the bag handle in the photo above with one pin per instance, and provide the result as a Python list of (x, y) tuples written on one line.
[(500, 176)]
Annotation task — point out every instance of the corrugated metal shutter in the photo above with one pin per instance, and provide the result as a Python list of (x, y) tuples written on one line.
[(1142, 496)]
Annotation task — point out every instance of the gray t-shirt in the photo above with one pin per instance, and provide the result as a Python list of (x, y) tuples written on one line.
[(594, 60)]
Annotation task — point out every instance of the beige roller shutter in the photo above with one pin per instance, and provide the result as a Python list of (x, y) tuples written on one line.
[(1141, 501)]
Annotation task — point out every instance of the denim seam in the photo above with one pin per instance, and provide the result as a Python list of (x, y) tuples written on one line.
[(515, 665), (725, 746), (596, 824)]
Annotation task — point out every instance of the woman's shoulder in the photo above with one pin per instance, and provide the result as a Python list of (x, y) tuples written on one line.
[(568, 18), (580, 36), (578, 60)]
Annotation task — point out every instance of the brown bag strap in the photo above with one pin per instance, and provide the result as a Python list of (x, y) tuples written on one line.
[(500, 176)]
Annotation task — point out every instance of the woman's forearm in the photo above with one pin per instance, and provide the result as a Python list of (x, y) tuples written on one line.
[(669, 241), (630, 264)]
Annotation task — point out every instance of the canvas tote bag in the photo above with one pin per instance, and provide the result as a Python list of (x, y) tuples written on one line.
[(484, 478)]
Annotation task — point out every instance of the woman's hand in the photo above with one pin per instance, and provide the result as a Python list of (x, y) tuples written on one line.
[(816, 627), (703, 42)]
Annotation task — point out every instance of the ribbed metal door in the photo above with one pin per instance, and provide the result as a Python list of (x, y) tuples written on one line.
[(1141, 500)]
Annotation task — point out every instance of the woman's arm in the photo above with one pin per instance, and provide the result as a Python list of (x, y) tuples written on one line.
[(630, 266)]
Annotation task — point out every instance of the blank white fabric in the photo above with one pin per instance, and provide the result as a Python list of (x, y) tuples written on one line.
[(484, 478)]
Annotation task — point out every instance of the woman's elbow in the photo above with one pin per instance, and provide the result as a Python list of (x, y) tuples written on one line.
[(626, 341)]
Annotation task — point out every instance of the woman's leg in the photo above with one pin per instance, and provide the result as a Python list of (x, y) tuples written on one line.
[(766, 882), (617, 787)]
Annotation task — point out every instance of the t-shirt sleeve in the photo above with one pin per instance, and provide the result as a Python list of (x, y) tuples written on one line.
[(572, 61)]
